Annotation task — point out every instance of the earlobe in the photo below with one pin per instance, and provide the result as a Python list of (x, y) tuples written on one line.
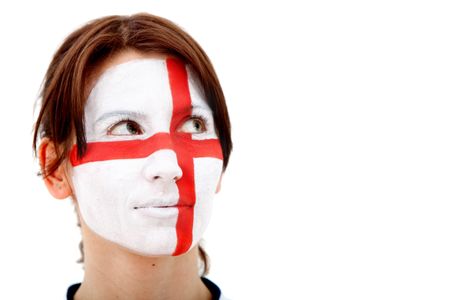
[(57, 182)]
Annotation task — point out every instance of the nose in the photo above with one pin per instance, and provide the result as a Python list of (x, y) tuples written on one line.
[(163, 166)]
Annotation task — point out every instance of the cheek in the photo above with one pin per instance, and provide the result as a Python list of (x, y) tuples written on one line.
[(207, 175), (102, 189)]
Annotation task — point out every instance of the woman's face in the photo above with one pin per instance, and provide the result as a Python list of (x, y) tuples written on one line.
[(153, 159)]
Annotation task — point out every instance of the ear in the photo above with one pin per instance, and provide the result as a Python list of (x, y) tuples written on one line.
[(219, 184), (57, 182)]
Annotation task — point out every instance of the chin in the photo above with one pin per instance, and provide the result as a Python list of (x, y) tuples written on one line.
[(150, 242)]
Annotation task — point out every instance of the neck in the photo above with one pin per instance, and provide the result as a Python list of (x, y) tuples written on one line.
[(112, 272)]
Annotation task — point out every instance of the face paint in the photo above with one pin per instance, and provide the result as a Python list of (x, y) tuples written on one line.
[(153, 158)]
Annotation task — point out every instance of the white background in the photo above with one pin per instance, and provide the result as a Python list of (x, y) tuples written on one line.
[(338, 185)]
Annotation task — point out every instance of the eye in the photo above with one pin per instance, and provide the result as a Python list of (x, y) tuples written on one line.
[(125, 127), (194, 124)]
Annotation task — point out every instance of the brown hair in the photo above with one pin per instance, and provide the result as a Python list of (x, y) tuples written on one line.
[(61, 116)]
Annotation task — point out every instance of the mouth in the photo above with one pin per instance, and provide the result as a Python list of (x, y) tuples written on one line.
[(162, 206), (154, 206), (159, 211)]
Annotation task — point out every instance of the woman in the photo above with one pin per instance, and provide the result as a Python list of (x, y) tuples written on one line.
[(134, 128)]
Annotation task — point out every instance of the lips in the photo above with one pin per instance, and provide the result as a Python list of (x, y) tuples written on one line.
[(157, 211), (159, 203), (161, 206), (155, 206)]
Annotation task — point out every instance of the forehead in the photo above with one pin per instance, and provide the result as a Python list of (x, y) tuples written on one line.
[(140, 84)]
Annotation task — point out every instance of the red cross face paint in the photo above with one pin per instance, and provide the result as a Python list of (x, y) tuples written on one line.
[(153, 158)]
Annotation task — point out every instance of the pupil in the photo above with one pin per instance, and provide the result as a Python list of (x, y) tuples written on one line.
[(197, 125), (131, 128)]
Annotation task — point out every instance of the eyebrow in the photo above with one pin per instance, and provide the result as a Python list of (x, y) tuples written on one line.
[(140, 115), (191, 108), (132, 114)]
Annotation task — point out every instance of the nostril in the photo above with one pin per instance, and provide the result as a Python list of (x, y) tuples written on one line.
[(162, 166), (175, 178)]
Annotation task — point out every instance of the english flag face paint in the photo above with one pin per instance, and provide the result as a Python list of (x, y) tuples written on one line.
[(153, 158)]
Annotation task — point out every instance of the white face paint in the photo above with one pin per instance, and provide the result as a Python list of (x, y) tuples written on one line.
[(128, 183)]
